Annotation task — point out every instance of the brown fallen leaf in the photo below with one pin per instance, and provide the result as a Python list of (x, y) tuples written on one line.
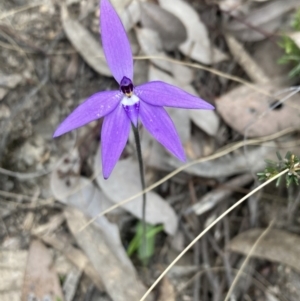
[(82, 40), (167, 291), (41, 281), (278, 245), (121, 283), (244, 109)]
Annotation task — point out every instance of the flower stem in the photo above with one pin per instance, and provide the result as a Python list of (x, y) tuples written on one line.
[(142, 176)]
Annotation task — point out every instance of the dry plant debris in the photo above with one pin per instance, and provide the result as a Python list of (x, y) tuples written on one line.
[(41, 281), (278, 245), (225, 52)]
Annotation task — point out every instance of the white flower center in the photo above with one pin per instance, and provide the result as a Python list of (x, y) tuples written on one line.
[(129, 101)]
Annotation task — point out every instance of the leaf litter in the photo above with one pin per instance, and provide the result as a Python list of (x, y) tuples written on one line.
[(186, 31)]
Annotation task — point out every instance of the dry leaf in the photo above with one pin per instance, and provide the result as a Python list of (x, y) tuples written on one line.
[(84, 43), (267, 56), (167, 291), (151, 45), (73, 190), (278, 245), (41, 281), (243, 107), (140, 72), (121, 283), (252, 69), (230, 165), (184, 75), (169, 27), (71, 283), (131, 14), (233, 6), (120, 5), (12, 270), (75, 256), (267, 18), (197, 46), (124, 182), (206, 120)]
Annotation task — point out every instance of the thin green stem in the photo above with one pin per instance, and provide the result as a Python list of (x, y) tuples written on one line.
[(142, 176)]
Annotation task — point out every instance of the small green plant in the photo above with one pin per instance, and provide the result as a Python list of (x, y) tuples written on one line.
[(296, 21), (291, 49), (273, 168), (137, 244), (292, 55)]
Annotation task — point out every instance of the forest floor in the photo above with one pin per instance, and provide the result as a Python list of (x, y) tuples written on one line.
[(226, 52)]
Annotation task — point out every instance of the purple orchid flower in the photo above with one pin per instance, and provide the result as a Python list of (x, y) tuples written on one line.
[(128, 104)]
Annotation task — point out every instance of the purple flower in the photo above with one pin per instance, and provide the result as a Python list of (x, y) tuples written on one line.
[(128, 104)]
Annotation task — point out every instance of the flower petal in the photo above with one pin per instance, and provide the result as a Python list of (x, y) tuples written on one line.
[(95, 107), (158, 93), (115, 43), (133, 112), (114, 135), (157, 121)]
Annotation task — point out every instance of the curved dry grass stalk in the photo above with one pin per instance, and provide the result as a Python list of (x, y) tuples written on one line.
[(208, 228), (220, 153), (211, 70)]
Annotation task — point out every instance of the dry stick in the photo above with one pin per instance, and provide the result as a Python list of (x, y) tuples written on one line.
[(208, 228), (241, 270), (220, 153), (211, 70), (258, 282)]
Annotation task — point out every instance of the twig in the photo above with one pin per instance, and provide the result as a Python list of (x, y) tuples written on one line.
[(224, 256), (208, 228), (224, 151), (212, 280), (237, 277), (211, 70)]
